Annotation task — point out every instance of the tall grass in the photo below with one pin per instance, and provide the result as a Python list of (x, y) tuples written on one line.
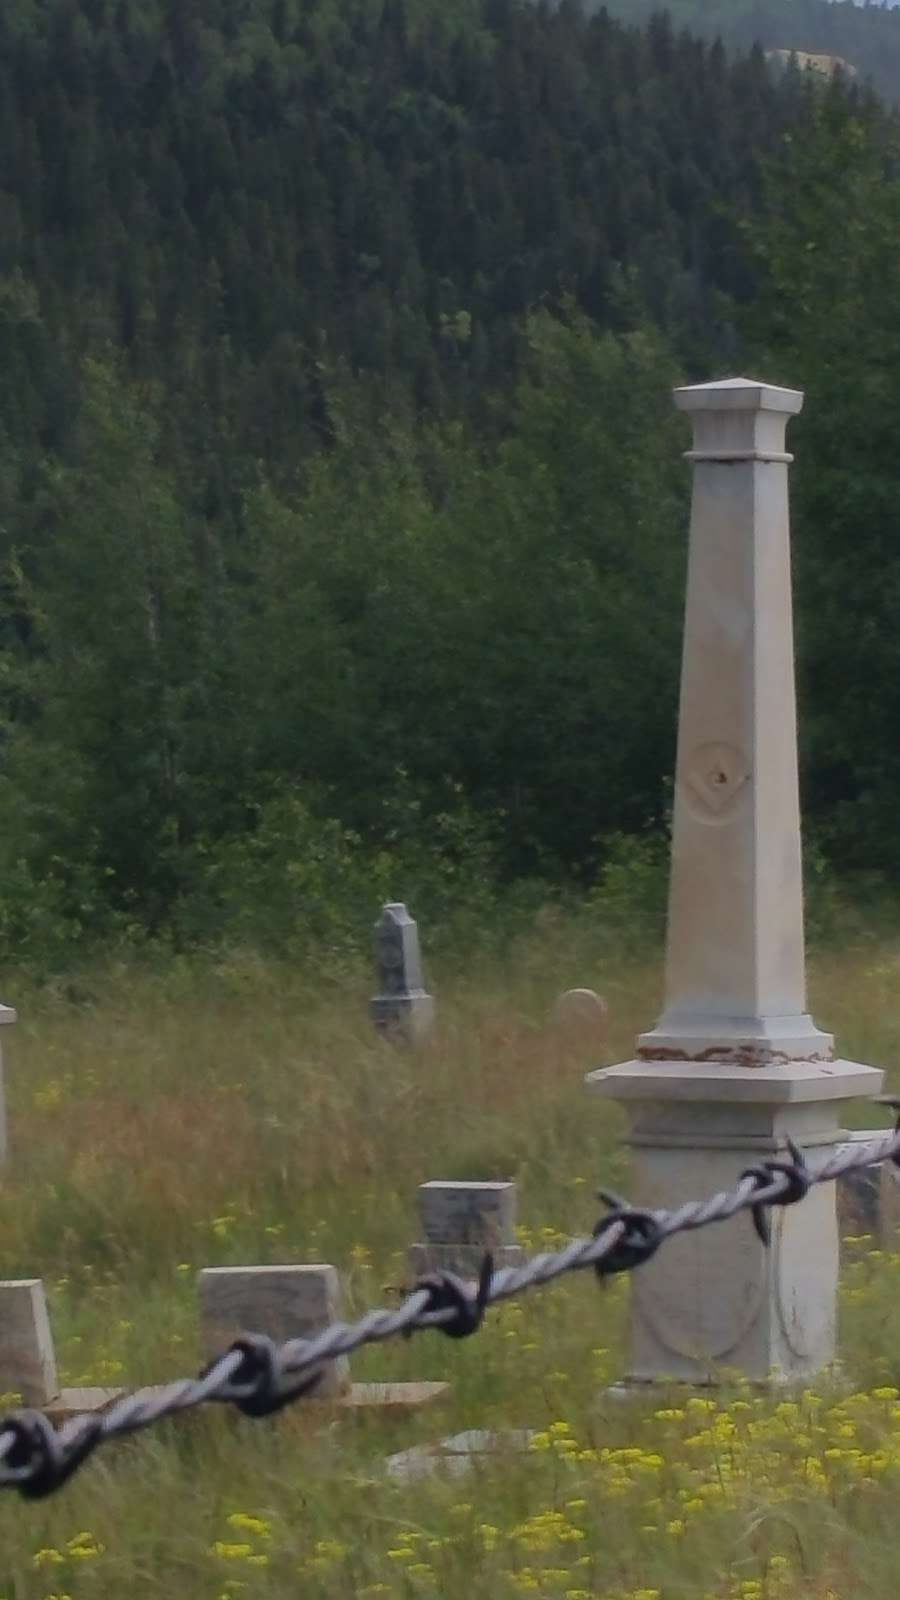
[(240, 1111)]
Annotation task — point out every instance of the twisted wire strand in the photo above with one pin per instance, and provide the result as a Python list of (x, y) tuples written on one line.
[(37, 1458)]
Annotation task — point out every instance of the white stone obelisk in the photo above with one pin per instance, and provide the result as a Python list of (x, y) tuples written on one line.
[(735, 1065), (7, 1016)]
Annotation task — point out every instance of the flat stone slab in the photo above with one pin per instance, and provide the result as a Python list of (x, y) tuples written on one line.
[(423, 1461), (485, 1441), (458, 1454), (74, 1402), (391, 1396), (719, 1081), (359, 1397)]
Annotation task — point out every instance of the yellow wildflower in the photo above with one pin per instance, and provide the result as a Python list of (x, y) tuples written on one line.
[(247, 1524), (47, 1557)]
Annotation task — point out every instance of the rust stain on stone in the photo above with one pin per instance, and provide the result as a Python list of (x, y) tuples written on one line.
[(744, 1055)]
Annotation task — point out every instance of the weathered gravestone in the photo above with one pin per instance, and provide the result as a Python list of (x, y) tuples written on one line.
[(868, 1198), (290, 1302), (583, 1015), (461, 1222), (27, 1359), (735, 1065), (402, 1009), (295, 1302)]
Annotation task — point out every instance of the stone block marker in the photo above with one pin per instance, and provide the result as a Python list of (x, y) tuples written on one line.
[(7, 1016), (735, 1065), (27, 1359), (868, 1198), (460, 1222), (291, 1302), (402, 1009), (584, 1015), (296, 1302)]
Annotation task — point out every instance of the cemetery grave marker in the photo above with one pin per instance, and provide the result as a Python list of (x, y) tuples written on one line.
[(402, 1009), (461, 1221), (295, 1302), (735, 1065)]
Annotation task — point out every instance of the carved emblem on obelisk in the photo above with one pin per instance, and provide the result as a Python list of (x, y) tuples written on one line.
[(715, 776)]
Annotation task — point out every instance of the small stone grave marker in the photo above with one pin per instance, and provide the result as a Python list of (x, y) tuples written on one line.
[(461, 1221), (290, 1302), (27, 1358), (402, 1009), (296, 1302), (583, 1014), (868, 1198)]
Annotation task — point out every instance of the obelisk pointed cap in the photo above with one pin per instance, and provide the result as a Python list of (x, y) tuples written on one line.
[(738, 394)]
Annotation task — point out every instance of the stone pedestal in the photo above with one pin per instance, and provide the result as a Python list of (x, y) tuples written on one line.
[(735, 1065), (716, 1303)]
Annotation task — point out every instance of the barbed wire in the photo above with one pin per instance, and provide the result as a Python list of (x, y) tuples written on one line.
[(260, 1377)]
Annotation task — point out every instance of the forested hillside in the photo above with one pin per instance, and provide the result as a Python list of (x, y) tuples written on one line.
[(244, 196), (866, 36), (341, 507)]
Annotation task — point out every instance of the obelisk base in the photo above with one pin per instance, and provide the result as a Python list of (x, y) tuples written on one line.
[(714, 1304)]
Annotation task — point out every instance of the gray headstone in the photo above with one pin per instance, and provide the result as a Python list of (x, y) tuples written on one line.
[(585, 1014), (27, 1359), (868, 1198), (292, 1302), (402, 1009), (460, 1222)]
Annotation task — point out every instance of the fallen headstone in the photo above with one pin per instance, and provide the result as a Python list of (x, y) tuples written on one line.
[(459, 1454), (75, 1402)]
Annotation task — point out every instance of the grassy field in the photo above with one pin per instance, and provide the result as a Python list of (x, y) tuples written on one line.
[(165, 1121)]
